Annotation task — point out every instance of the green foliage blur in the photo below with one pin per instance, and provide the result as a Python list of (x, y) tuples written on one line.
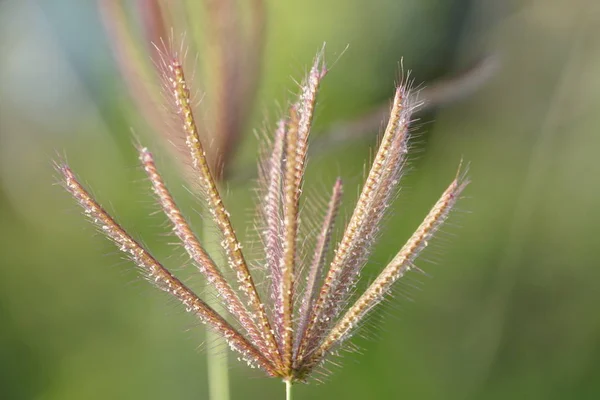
[(509, 308)]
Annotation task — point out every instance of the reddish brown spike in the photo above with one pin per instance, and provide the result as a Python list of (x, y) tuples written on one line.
[(383, 194), (272, 213), (351, 249), (316, 267), (202, 260), (175, 76), (159, 275), (400, 264)]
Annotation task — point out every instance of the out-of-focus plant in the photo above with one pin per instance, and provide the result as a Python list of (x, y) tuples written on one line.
[(231, 38), (232, 49)]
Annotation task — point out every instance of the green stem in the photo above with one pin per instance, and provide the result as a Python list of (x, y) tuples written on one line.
[(288, 389), (218, 371)]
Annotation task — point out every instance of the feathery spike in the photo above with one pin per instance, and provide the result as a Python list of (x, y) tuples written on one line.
[(382, 195), (399, 265), (271, 210), (159, 275), (197, 253), (174, 74), (349, 249), (284, 306), (316, 267), (299, 123), (302, 337)]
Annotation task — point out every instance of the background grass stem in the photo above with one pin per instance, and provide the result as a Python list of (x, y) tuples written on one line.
[(217, 365)]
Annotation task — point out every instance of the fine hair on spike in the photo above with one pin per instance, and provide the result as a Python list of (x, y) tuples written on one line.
[(311, 305)]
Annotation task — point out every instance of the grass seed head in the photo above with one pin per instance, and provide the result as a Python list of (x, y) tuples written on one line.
[(305, 316)]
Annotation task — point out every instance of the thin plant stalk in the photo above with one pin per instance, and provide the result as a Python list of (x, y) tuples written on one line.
[(216, 356), (288, 389)]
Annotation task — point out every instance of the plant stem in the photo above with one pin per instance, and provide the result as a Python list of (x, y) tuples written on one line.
[(218, 371), (288, 389)]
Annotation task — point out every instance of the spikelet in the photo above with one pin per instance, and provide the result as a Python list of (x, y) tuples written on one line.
[(307, 322)]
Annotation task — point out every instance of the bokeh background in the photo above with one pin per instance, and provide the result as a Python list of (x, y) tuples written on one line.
[(509, 308)]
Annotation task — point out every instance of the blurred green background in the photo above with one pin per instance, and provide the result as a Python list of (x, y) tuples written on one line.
[(510, 306)]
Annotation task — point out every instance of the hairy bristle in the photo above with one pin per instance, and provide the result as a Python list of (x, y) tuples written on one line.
[(160, 276), (381, 194)]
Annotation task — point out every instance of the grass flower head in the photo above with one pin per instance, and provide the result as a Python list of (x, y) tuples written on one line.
[(309, 309)]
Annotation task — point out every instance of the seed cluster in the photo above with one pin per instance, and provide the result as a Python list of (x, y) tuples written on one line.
[(309, 312)]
